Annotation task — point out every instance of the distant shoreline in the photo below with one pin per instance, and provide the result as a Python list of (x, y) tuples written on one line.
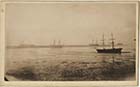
[(51, 46), (46, 46)]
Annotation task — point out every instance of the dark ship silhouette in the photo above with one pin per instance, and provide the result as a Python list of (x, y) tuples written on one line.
[(109, 50)]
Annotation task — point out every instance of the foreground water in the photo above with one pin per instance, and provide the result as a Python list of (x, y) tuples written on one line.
[(69, 63)]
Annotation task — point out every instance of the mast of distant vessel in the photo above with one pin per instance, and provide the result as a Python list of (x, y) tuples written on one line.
[(54, 43), (112, 41), (96, 42), (59, 42), (103, 41)]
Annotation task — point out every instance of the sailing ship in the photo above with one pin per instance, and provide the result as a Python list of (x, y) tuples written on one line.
[(109, 50), (59, 45), (94, 44)]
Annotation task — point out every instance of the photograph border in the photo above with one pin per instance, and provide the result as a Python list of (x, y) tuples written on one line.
[(62, 83)]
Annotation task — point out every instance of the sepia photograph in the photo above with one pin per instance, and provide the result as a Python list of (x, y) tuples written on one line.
[(70, 41)]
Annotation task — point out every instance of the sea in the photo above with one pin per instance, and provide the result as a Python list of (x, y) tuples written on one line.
[(39, 58)]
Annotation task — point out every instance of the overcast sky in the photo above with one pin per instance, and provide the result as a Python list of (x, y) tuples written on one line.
[(72, 23)]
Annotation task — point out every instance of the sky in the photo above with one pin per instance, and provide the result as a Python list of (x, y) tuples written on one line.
[(72, 23)]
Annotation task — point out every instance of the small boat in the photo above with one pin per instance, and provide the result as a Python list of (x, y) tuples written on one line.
[(109, 50)]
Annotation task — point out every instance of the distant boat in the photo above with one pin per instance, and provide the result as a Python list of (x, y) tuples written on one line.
[(94, 44), (59, 45), (109, 50)]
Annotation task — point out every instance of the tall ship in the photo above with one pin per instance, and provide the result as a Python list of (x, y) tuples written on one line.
[(59, 45), (94, 44), (109, 50)]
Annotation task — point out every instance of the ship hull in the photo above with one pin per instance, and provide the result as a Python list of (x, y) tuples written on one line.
[(56, 46), (113, 50)]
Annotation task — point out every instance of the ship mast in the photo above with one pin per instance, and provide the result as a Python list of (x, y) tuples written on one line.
[(59, 42), (96, 41), (54, 42), (103, 43), (112, 40)]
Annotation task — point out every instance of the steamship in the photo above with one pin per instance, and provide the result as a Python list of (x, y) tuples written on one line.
[(109, 50)]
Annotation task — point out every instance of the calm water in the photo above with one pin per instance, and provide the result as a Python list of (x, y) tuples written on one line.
[(40, 58)]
